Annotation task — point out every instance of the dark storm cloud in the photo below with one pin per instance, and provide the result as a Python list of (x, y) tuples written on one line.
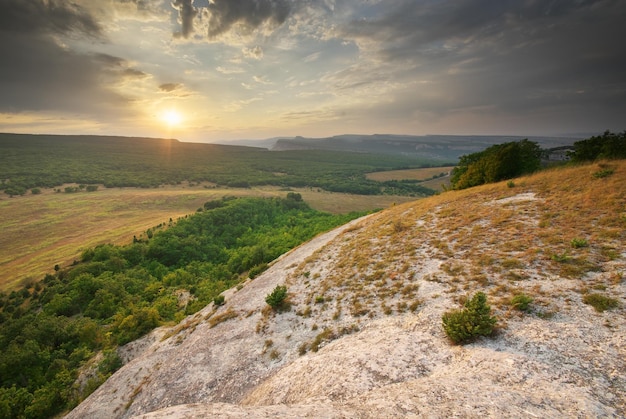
[(37, 73), (43, 17), (186, 14), (511, 54), (251, 14)]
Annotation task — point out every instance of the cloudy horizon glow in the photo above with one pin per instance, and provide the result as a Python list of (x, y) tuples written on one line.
[(235, 69)]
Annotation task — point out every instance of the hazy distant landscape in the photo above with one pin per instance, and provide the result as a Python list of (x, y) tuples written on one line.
[(437, 148)]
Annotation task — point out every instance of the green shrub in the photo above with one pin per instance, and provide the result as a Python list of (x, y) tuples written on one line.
[(257, 270), (219, 300), (562, 258), (606, 146), (603, 173), (600, 302), (521, 302), (496, 163), (474, 320), (577, 243), (277, 298)]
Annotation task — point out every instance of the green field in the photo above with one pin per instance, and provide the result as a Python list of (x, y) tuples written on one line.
[(33, 161)]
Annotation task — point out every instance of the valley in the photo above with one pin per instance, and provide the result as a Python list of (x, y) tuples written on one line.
[(48, 229)]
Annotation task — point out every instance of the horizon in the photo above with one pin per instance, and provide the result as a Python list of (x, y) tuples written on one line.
[(245, 141), (234, 70)]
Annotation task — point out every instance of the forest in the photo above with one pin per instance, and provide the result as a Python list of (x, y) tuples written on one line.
[(48, 161), (115, 294)]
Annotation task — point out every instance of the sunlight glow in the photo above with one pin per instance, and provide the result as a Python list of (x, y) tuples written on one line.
[(172, 117)]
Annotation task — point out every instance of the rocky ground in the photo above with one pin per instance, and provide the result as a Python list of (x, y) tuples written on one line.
[(363, 335)]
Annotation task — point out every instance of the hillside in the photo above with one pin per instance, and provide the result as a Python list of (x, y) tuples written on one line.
[(363, 337)]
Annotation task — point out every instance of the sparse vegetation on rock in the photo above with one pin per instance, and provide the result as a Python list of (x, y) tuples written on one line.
[(600, 302), (521, 302)]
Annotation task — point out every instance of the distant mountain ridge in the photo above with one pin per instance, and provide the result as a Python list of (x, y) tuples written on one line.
[(439, 147)]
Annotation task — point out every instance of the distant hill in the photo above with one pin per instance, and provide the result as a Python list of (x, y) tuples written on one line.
[(35, 161), (363, 336), (437, 147)]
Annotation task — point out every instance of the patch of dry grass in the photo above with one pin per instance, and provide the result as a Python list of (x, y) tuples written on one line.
[(409, 174), (495, 238)]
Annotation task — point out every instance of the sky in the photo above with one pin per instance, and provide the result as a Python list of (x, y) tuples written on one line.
[(218, 70)]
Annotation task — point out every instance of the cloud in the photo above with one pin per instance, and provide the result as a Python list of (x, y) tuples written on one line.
[(46, 16), (255, 52), (514, 56), (246, 14), (186, 15), (169, 87), (232, 70), (38, 72), (312, 57)]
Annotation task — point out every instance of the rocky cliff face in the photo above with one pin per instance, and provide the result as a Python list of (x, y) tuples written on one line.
[(363, 335)]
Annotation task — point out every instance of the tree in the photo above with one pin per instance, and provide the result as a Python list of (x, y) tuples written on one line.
[(605, 146), (474, 320), (277, 298), (496, 163)]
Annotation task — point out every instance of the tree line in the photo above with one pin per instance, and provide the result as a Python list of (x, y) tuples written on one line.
[(513, 159)]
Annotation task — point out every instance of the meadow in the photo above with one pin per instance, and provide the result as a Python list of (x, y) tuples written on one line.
[(435, 178), (51, 228), (421, 174)]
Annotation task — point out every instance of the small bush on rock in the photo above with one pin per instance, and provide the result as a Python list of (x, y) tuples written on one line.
[(277, 298), (463, 326), (219, 300), (521, 302), (600, 302)]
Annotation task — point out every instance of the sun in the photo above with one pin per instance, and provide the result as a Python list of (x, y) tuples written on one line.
[(172, 117)]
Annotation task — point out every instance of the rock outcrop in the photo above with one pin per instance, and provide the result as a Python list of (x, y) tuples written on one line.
[(363, 338)]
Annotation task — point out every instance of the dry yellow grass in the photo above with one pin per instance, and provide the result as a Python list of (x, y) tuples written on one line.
[(494, 238), (412, 174)]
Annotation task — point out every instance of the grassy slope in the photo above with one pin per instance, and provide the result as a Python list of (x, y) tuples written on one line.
[(39, 231), (495, 238)]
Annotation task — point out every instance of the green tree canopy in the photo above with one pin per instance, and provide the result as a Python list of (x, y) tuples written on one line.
[(605, 146), (496, 163)]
